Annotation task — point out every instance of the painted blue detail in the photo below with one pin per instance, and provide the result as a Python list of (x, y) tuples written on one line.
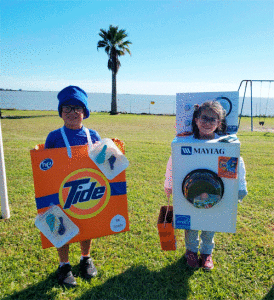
[(50, 219), (62, 228), (47, 201), (232, 164), (100, 159), (182, 221), (112, 160), (116, 189), (232, 128), (46, 164), (186, 150)]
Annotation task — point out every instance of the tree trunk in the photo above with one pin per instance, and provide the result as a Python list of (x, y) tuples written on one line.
[(113, 97)]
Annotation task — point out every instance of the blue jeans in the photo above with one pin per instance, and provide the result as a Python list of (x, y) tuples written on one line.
[(192, 241)]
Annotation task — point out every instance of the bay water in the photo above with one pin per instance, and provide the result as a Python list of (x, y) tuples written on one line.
[(126, 103)]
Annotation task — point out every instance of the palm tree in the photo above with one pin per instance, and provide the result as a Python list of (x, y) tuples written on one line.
[(115, 46)]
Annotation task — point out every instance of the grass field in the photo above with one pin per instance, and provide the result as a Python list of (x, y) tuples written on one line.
[(131, 265)]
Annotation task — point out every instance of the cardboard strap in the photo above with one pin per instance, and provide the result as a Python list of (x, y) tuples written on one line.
[(89, 138), (67, 142), (166, 211)]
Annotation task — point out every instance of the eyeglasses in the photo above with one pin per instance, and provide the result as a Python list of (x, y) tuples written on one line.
[(68, 108), (206, 119)]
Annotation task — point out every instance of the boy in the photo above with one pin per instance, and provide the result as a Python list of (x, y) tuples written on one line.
[(73, 109)]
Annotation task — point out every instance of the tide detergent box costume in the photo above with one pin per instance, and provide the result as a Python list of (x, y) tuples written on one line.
[(75, 200), (205, 172)]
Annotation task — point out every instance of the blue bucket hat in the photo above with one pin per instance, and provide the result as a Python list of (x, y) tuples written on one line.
[(73, 95)]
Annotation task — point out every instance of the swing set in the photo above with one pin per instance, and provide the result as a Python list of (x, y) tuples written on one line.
[(250, 82)]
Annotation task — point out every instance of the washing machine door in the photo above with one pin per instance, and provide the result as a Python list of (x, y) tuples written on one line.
[(203, 188)]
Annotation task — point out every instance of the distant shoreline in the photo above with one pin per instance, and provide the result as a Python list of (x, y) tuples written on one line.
[(53, 110), (127, 94), (106, 112), (126, 103)]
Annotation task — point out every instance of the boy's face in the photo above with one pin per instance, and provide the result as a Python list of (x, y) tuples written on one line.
[(73, 116)]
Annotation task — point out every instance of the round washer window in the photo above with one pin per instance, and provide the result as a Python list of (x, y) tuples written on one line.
[(203, 188), (226, 104)]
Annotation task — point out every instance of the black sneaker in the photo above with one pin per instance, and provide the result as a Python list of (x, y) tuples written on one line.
[(65, 277), (87, 268)]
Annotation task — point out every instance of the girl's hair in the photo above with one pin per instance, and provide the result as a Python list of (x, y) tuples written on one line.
[(214, 106)]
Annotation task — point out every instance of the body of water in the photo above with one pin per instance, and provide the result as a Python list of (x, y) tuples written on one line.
[(128, 103)]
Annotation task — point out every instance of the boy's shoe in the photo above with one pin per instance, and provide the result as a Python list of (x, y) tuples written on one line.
[(65, 277), (87, 268), (192, 259), (207, 262)]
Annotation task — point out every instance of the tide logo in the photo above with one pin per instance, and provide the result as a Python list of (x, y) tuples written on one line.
[(84, 193), (46, 164)]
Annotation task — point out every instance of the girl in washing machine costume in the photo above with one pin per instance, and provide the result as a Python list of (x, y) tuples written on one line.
[(208, 121)]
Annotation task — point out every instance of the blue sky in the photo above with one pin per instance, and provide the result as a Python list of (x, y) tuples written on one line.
[(177, 46)]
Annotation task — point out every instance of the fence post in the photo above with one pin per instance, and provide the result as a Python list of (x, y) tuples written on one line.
[(3, 182)]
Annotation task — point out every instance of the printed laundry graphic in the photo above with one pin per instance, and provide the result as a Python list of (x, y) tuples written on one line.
[(227, 167)]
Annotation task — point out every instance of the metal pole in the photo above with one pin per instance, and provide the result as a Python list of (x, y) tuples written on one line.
[(174, 107), (3, 182), (251, 97), (246, 81), (251, 105)]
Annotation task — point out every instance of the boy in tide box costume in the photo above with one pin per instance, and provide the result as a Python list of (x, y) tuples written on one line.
[(73, 108)]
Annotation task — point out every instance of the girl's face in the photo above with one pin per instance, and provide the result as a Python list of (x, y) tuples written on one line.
[(73, 116), (207, 123)]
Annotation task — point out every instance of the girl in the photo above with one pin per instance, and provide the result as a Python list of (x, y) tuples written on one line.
[(208, 121)]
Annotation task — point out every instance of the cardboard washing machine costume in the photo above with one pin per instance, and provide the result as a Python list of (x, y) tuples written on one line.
[(79, 181), (207, 177)]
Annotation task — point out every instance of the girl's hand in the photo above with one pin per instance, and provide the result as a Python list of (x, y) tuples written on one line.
[(241, 195), (168, 192)]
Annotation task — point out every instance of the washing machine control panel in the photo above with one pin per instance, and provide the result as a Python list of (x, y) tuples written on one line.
[(185, 107)]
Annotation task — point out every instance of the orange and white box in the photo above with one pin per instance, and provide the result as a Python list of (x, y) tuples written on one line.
[(96, 205)]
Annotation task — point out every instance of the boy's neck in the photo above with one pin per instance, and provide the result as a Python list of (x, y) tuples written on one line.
[(73, 127)]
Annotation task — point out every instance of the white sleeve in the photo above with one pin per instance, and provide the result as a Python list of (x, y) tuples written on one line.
[(242, 180), (168, 180)]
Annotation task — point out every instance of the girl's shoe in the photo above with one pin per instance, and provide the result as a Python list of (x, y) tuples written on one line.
[(207, 262), (192, 259)]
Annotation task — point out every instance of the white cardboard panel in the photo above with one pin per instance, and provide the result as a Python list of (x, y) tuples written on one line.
[(185, 107), (222, 216)]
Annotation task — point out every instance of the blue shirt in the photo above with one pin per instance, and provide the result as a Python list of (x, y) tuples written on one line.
[(75, 137)]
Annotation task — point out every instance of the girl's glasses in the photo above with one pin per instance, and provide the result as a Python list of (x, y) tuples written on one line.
[(69, 108), (205, 119)]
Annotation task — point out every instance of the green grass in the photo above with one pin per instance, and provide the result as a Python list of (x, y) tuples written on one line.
[(131, 265)]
